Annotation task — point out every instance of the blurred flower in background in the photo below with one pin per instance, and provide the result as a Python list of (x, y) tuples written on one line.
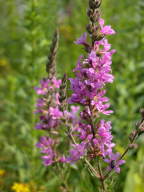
[(20, 187)]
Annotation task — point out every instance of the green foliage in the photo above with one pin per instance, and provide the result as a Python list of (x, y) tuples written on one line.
[(27, 29)]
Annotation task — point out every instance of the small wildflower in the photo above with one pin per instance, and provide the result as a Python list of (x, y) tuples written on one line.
[(20, 187)]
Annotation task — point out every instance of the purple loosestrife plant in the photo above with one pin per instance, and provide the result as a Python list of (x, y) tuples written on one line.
[(88, 132), (51, 108), (93, 72)]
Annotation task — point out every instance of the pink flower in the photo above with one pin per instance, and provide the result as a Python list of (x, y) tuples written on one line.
[(106, 30), (41, 91), (55, 113), (56, 83)]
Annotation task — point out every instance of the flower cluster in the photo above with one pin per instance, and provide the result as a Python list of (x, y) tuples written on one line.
[(46, 145), (48, 104), (92, 74), (50, 117)]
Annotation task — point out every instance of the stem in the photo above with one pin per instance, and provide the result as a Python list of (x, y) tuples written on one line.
[(101, 177), (127, 149), (99, 165), (92, 168)]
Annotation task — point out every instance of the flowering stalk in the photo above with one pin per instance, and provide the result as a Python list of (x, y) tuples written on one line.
[(93, 72), (90, 135), (48, 107), (52, 110)]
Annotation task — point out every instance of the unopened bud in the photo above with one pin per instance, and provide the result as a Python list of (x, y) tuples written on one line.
[(97, 36), (131, 136), (89, 12), (137, 124), (90, 28), (94, 15), (93, 4), (133, 146)]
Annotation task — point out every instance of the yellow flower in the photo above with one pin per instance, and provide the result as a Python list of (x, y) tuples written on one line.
[(20, 187), (2, 172)]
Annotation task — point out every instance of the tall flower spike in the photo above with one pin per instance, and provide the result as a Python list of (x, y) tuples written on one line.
[(51, 64), (48, 108), (92, 73)]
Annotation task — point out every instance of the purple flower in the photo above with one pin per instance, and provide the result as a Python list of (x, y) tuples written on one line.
[(82, 40), (47, 85), (40, 102), (55, 113), (114, 162), (76, 152), (49, 116), (46, 145), (41, 91), (103, 139)]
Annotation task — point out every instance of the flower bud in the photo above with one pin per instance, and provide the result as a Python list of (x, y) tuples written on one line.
[(137, 124), (97, 36), (94, 15), (93, 4), (90, 28), (89, 12), (131, 136), (133, 146)]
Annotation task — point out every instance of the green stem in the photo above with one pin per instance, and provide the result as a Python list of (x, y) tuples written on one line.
[(101, 177)]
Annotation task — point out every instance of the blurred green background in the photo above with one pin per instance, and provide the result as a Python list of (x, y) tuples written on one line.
[(27, 27)]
